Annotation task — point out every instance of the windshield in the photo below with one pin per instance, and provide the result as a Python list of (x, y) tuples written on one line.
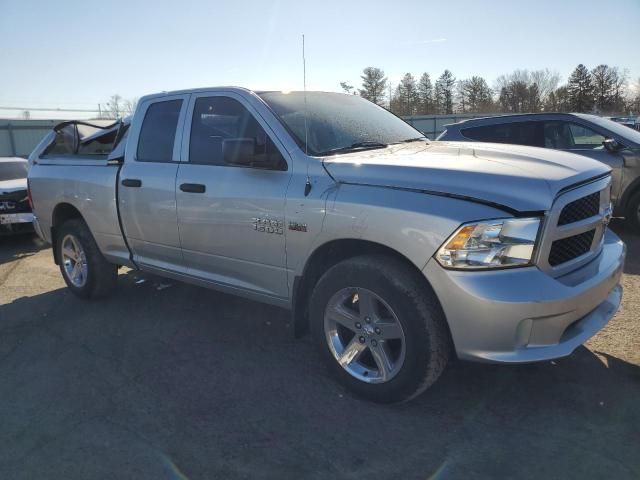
[(13, 170), (617, 128), (337, 121)]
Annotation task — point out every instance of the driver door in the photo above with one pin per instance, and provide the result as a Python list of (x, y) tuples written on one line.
[(231, 217)]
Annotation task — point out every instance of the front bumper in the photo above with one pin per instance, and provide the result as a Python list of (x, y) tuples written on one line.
[(525, 315)]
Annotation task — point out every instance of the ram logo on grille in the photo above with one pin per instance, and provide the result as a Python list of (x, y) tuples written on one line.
[(4, 206)]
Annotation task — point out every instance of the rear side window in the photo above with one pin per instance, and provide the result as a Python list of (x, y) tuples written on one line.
[(158, 132), (519, 133)]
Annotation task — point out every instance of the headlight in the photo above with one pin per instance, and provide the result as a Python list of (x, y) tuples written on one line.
[(499, 243)]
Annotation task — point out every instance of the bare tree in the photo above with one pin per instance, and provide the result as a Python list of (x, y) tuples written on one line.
[(462, 88), (634, 101), (129, 106), (118, 107), (546, 80), (524, 90), (604, 87), (374, 84), (558, 100), (620, 89)]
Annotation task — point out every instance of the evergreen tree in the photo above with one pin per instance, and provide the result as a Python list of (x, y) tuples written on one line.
[(444, 92), (374, 84), (477, 95), (425, 95), (347, 88), (580, 90), (408, 97)]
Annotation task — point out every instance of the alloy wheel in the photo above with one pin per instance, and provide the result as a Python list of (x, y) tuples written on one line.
[(364, 335), (74, 261)]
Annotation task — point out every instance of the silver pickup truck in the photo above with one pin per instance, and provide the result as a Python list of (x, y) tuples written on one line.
[(396, 253)]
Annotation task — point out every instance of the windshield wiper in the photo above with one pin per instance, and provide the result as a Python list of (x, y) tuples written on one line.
[(355, 146)]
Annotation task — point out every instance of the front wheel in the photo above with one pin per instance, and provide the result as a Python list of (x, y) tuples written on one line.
[(84, 269), (380, 328)]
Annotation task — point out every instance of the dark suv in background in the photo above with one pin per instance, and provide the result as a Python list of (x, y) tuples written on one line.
[(589, 135)]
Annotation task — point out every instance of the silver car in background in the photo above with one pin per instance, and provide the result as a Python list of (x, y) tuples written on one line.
[(599, 138)]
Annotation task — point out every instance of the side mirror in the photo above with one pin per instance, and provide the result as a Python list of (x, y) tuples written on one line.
[(239, 151), (612, 145)]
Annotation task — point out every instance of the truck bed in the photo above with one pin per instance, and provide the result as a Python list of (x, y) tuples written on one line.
[(89, 186)]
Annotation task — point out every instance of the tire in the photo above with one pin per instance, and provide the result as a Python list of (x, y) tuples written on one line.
[(401, 296), (93, 277), (633, 212)]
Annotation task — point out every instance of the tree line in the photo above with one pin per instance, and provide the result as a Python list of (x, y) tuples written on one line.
[(603, 90)]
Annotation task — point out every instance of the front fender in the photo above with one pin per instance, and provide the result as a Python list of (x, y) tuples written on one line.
[(412, 223)]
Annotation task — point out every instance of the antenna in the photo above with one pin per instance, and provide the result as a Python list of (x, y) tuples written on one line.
[(304, 86), (307, 183)]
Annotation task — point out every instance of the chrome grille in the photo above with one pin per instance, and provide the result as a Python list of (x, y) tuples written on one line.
[(574, 227), (580, 209)]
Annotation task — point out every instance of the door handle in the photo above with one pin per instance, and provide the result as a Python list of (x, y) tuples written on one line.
[(193, 188), (131, 182)]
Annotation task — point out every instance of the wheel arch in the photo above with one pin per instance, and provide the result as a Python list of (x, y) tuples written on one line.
[(61, 213), (322, 259)]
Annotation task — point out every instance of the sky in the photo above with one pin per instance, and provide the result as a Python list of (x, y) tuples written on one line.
[(76, 54)]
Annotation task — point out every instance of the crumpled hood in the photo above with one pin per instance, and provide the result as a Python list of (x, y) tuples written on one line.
[(517, 177)]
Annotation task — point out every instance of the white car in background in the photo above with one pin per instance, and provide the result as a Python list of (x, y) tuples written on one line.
[(15, 207)]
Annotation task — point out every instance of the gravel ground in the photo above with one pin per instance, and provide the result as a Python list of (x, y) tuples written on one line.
[(170, 381)]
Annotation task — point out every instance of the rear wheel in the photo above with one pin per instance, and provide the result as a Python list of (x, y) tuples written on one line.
[(380, 328), (84, 269)]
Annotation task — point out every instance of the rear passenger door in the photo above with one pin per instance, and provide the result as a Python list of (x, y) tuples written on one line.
[(146, 189), (231, 216)]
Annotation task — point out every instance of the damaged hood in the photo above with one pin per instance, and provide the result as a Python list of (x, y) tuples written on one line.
[(519, 178)]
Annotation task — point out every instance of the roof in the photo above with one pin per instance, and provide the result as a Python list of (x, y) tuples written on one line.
[(225, 89), (513, 116)]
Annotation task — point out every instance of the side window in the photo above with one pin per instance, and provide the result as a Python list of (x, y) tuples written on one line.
[(158, 132), (520, 133), (571, 136), (223, 132), (488, 133), (585, 138)]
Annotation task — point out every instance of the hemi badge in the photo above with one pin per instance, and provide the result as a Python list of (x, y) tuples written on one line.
[(298, 227)]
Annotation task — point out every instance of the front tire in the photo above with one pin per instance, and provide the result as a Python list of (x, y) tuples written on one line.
[(379, 328), (84, 269)]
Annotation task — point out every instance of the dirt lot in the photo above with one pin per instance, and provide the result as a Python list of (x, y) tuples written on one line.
[(169, 381)]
